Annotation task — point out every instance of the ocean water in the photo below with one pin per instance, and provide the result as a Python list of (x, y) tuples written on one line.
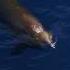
[(19, 53)]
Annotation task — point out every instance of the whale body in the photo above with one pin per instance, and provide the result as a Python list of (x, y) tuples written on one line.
[(17, 15)]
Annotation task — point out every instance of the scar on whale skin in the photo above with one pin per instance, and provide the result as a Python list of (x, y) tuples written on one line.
[(14, 13)]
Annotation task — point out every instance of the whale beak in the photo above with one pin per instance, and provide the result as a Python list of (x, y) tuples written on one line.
[(53, 45), (49, 39)]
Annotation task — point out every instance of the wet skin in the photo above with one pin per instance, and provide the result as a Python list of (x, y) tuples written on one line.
[(17, 15)]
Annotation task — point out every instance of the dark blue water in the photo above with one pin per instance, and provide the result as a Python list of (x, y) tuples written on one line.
[(54, 14)]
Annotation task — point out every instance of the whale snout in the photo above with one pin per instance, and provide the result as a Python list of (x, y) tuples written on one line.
[(46, 38)]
